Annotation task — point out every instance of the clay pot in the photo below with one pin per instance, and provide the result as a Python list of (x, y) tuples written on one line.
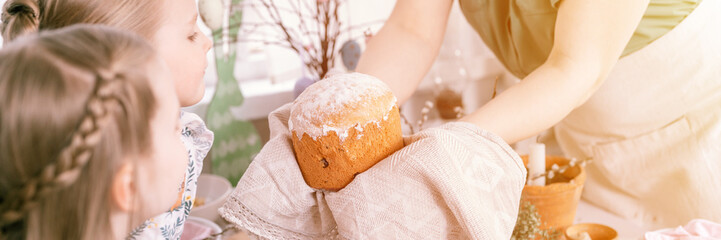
[(556, 202)]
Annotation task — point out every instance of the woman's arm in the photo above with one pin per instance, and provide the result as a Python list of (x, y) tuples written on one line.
[(590, 36), (404, 49)]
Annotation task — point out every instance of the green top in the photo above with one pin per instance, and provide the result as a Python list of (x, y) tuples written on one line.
[(520, 32)]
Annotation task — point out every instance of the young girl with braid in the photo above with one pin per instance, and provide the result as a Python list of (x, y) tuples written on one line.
[(89, 135), (170, 27)]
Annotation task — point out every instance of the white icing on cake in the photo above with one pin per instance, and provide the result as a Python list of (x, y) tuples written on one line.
[(353, 100)]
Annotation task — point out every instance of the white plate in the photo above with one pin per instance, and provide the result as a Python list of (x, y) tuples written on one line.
[(214, 227)]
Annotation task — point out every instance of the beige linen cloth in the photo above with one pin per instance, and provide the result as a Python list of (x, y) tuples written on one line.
[(451, 182)]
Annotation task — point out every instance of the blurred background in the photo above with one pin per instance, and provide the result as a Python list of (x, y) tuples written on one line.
[(267, 72)]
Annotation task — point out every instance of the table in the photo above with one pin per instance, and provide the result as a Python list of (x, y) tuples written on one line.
[(588, 213)]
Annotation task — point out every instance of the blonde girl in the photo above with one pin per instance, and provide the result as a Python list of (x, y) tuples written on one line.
[(170, 26), (89, 138)]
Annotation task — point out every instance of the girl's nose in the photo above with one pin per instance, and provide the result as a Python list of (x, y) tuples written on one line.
[(207, 43)]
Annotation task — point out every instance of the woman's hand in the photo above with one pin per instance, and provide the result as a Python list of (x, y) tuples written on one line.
[(405, 48), (590, 36)]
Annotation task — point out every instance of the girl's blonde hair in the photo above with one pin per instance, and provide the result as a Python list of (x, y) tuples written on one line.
[(20, 17), (75, 103)]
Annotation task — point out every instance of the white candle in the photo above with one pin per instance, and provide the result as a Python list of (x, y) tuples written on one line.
[(537, 164)]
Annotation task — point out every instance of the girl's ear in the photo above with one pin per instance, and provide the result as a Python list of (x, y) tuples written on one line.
[(123, 190)]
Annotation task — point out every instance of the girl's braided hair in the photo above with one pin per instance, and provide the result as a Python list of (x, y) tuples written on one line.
[(76, 102)]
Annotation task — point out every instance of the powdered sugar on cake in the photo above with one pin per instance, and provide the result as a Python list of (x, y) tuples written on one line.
[(341, 97)]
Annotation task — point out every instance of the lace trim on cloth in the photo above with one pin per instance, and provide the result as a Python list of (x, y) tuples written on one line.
[(239, 215)]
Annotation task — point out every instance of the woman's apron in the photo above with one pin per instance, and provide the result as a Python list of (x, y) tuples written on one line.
[(653, 129)]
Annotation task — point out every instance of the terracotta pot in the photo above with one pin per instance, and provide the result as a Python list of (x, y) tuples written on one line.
[(556, 202)]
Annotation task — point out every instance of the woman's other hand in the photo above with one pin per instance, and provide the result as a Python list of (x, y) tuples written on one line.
[(590, 36)]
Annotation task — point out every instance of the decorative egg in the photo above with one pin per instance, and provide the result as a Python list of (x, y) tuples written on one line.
[(211, 11), (449, 104), (301, 84), (350, 52)]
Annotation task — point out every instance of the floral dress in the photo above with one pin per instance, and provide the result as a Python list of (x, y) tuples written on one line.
[(169, 225)]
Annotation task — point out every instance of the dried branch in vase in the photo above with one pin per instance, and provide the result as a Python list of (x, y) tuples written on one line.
[(424, 114), (555, 169), (314, 38), (423, 117), (495, 88), (405, 120), (449, 104)]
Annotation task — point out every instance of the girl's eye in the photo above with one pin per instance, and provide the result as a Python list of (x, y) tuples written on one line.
[(193, 37)]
